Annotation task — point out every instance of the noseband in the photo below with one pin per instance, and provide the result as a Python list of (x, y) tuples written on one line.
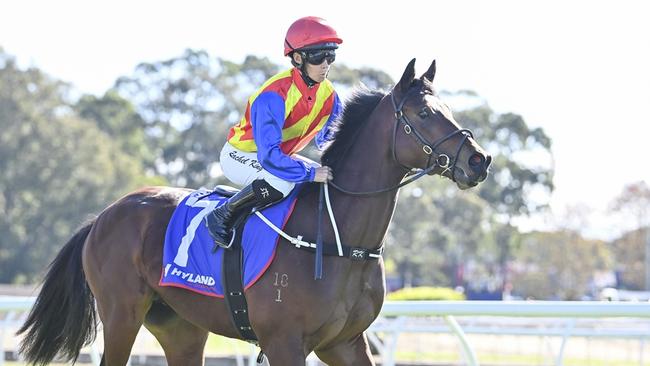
[(434, 160)]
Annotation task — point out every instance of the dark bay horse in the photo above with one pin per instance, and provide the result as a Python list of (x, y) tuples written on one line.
[(115, 260)]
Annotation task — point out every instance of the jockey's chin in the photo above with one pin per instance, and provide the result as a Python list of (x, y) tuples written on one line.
[(318, 73), (320, 78)]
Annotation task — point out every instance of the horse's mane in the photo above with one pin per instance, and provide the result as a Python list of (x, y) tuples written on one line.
[(355, 114)]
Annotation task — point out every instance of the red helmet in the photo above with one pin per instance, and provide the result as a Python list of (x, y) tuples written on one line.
[(310, 31)]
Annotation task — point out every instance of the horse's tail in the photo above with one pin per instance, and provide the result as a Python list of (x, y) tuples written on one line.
[(63, 319)]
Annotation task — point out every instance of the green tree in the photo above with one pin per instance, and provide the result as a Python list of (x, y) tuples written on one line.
[(634, 204), (522, 161), (347, 77), (558, 265), (117, 118), (189, 102), (522, 170), (632, 250), (56, 169), (631, 253), (475, 226), (435, 231)]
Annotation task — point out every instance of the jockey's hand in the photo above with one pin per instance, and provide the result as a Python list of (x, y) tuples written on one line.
[(323, 174)]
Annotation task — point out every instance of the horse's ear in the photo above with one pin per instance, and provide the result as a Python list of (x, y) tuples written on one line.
[(431, 73), (407, 77)]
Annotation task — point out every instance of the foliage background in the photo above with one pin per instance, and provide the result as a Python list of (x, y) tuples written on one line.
[(65, 156)]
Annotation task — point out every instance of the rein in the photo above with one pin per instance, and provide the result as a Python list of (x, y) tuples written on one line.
[(441, 160), (434, 161)]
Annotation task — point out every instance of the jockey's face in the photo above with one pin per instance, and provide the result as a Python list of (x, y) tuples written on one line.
[(318, 72)]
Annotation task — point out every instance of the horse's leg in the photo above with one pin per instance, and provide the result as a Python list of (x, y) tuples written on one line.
[(122, 300), (182, 341), (122, 321), (355, 352), (284, 351)]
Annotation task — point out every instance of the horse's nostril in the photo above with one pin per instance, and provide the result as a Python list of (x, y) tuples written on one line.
[(476, 160)]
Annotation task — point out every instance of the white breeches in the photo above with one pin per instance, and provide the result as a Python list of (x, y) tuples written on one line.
[(242, 168)]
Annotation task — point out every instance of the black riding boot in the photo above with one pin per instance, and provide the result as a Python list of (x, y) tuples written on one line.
[(258, 194)]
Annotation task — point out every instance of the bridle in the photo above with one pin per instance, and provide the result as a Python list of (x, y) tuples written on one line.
[(435, 159)]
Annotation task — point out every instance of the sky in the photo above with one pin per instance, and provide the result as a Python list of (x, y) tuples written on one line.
[(578, 69)]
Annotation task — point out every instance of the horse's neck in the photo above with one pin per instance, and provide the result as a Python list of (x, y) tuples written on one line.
[(368, 166)]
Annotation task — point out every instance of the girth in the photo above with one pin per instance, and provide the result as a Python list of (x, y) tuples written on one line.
[(232, 272), (353, 253)]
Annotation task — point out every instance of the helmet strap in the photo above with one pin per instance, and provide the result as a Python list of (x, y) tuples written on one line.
[(303, 69), (309, 81)]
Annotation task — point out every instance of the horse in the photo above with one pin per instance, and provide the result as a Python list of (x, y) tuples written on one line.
[(112, 265)]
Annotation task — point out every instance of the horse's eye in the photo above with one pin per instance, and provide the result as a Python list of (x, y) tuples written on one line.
[(424, 113)]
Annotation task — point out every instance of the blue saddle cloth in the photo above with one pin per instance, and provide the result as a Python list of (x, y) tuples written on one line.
[(188, 260)]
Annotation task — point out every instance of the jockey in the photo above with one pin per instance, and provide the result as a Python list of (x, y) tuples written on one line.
[(281, 118)]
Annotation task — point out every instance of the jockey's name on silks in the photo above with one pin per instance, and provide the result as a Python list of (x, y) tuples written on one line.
[(305, 112)]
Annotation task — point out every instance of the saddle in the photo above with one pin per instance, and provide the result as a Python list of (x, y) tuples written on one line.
[(188, 262)]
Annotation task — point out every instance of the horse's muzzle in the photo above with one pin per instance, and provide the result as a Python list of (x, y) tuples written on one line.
[(477, 167)]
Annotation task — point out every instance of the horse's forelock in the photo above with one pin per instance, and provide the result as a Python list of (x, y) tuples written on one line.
[(425, 85)]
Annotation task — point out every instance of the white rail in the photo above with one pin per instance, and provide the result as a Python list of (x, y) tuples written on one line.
[(554, 309), (394, 316), (550, 309), (17, 303)]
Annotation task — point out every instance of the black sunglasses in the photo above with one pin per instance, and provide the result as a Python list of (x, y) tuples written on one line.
[(318, 56)]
